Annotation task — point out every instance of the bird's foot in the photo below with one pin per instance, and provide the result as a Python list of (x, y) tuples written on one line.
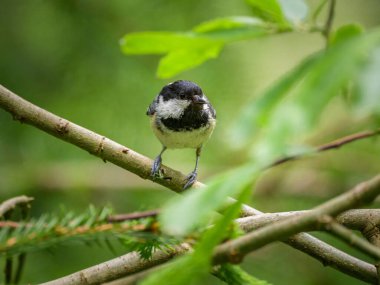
[(190, 179), (155, 171)]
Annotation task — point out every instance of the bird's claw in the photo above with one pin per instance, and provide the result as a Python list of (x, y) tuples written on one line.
[(155, 171), (190, 179)]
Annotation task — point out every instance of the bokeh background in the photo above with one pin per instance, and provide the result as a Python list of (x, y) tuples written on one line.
[(64, 56)]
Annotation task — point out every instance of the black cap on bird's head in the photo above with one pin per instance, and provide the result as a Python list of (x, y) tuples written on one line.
[(183, 90)]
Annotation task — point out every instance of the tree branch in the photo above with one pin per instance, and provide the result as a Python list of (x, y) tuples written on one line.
[(367, 221), (119, 267), (349, 237), (333, 257), (360, 219), (236, 249), (10, 204), (92, 142)]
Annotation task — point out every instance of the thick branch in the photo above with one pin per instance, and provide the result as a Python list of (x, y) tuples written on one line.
[(235, 249), (119, 267), (92, 142), (360, 219)]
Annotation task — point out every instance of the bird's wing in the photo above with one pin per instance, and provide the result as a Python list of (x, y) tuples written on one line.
[(152, 107), (212, 110)]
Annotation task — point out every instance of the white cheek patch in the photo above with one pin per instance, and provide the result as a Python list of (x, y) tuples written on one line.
[(172, 108)]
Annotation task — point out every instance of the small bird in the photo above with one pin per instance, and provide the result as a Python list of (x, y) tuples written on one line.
[(181, 117)]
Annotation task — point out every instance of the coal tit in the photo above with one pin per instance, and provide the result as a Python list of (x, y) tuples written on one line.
[(181, 117)]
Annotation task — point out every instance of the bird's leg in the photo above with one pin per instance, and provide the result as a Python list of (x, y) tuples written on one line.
[(192, 177), (155, 171)]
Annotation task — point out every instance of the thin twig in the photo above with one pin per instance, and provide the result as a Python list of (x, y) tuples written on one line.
[(132, 216), (347, 139), (348, 236), (9, 224), (10, 204), (328, 146), (329, 21)]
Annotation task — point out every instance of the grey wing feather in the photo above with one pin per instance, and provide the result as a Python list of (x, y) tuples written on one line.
[(152, 107), (211, 108), (212, 111)]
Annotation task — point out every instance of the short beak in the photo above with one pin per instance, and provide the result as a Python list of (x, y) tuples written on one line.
[(198, 100)]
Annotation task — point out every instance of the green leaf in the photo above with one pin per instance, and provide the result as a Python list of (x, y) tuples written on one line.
[(368, 86), (345, 32), (257, 112), (231, 29), (184, 213), (297, 115), (281, 12), (227, 23), (269, 10), (160, 42), (185, 50), (233, 274), (331, 72), (184, 59)]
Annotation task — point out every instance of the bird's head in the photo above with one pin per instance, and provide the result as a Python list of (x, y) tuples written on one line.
[(175, 97)]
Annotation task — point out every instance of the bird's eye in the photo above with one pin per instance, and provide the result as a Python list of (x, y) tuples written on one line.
[(182, 95)]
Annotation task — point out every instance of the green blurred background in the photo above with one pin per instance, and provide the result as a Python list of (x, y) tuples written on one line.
[(63, 55)]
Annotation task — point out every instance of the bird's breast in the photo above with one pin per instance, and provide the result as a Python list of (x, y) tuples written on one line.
[(182, 135)]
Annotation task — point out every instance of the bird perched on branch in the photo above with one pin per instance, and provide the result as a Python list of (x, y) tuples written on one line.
[(181, 117)]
